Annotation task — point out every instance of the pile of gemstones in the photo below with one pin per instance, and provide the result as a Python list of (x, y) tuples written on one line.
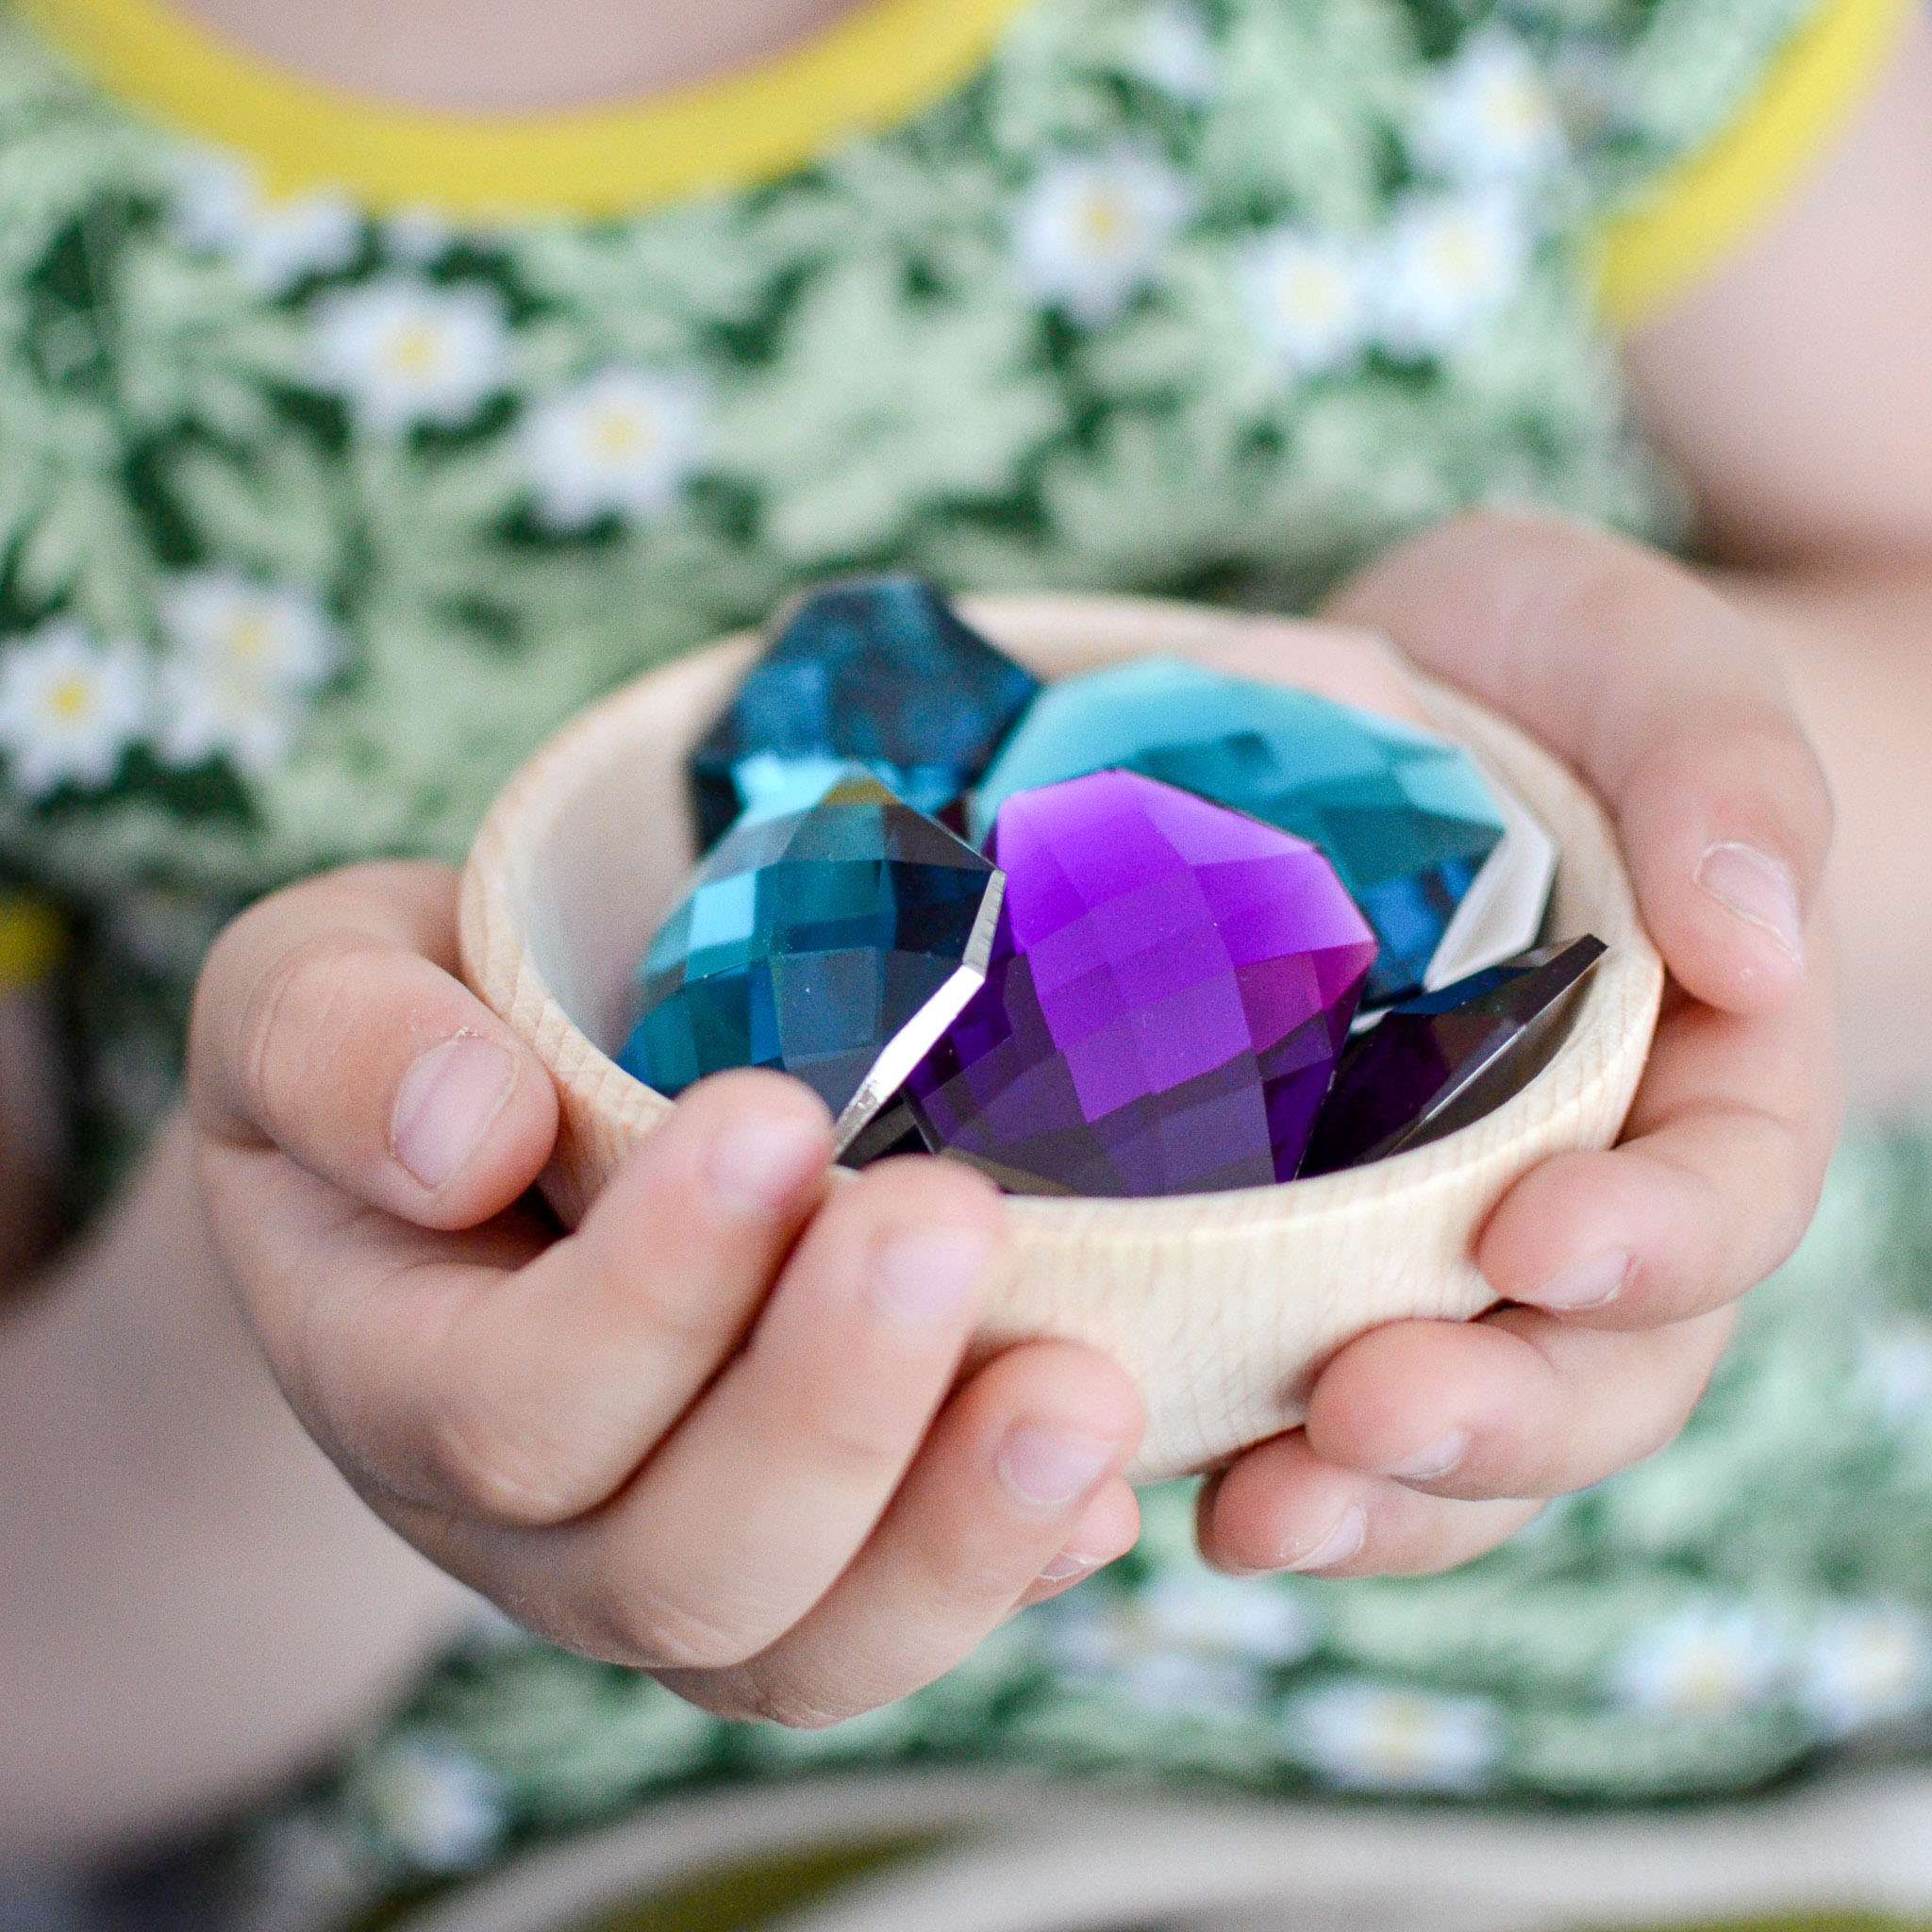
[(1151, 930)]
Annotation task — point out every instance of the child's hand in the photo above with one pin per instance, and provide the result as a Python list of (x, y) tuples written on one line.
[(1429, 1443), (710, 1434)]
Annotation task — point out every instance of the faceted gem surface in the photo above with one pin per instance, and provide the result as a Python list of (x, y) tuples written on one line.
[(1438, 1062), (1503, 914), (832, 943), (1170, 985), (881, 672), (1407, 819)]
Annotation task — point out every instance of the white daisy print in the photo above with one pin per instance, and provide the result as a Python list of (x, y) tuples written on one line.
[(1175, 52), (404, 351), (1251, 1618), (438, 1806), (1707, 1663), (1308, 296), (1895, 1369), (1362, 1736), (1091, 231), (1178, 1683), (1490, 116), (1449, 263), (621, 444), (273, 241), (246, 657), (68, 707), (1866, 1666)]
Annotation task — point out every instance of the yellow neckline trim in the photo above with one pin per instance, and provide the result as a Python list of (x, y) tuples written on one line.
[(870, 70), (1722, 197)]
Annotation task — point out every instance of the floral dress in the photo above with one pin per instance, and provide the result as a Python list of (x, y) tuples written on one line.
[(346, 452)]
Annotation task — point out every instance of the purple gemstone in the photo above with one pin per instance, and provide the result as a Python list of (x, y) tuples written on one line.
[(1170, 986)]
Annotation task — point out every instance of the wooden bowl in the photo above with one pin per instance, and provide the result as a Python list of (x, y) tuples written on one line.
[(1220, 1305)]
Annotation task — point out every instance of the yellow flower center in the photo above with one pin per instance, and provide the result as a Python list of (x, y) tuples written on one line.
[(620, 435), (1882, 1661), (1310, 295), (1458, 254), (250, 638), (1708, 1680), (71, 699), (1399, 1735), (1513, 108), (415, 351), (1104, 222)]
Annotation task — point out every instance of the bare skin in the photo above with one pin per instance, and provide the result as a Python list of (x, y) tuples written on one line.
[(424, 1333)]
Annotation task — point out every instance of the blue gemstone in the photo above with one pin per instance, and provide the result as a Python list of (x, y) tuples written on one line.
[(833, 943), (881, 672), (1436, 1063), (1405, 817)]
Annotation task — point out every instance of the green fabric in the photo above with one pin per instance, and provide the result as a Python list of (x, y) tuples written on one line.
[(274, 596)]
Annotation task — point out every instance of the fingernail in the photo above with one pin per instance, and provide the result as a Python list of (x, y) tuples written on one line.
[(928, 1278), (1758, 889), (1592, 1283), (1048, 1469), (447, 1102), (757, 1165), (1068, 1565), (1438, 1460), (1344, 1541)]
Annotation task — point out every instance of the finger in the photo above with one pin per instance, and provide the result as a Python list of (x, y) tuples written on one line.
[(1725, 1157), (1018, 1456), (329, 1023), (1109, 1527), (1662, 695), (751, 1510), (1517, 1404), (531, 1397), (1280, 1506)]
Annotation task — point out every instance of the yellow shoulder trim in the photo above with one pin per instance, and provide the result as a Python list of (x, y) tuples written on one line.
[(31, 937), (874, 67), (1719, 198)]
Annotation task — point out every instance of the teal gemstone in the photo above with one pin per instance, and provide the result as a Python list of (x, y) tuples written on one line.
[(1403, 816), (834, 943), (879, 672)]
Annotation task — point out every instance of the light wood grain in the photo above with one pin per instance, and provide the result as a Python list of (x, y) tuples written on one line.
[(1220, 1305)]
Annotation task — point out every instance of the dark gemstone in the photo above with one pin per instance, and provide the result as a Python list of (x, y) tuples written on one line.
[(1438, 1062), (1170, 985), (832, 943), (881, 672)]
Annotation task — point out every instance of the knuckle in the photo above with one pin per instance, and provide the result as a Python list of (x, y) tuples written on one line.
[(512, 1471), (655, 1631), (1609, 592), (790, 1701), (293, 1021), (854, 1451)]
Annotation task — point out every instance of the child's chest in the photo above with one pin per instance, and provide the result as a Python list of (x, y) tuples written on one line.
[(314, 521)]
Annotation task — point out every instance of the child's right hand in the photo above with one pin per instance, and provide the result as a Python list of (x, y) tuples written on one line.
[(715, 1432)]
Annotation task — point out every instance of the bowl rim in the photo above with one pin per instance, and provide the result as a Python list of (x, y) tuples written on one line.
[(1624, 990)]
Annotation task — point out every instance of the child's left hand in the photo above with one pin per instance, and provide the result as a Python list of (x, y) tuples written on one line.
[(1429, 1443)]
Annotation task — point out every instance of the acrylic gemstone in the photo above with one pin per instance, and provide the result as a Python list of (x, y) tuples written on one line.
[(1170, 986), (1438, 1062), (879, 672), (1407, 819), (832, 943)]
